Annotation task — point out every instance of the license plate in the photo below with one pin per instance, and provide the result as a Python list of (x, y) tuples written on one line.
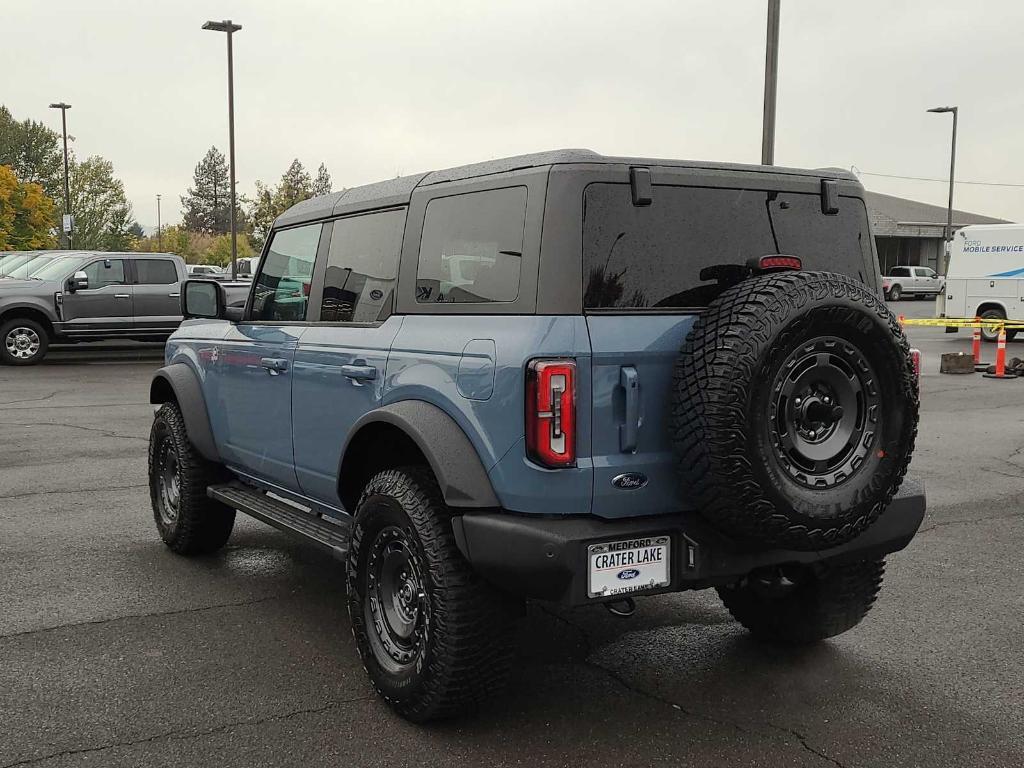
[(620, 567)]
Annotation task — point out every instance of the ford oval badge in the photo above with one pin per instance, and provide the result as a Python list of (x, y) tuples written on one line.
[(630, 481), (629, 573)]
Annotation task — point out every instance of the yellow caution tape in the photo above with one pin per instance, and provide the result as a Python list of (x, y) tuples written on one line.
[(962, 322)]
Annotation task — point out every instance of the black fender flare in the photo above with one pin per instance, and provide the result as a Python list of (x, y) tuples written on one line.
[(453, 459), (180, 383)]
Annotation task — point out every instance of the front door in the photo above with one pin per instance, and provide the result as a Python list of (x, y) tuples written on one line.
[(156, 296), (253, 369), (103, 308)]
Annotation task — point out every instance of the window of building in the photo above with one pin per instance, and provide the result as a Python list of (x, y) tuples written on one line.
[(281, 292), (692, 243), (362, 266), (105, 272), (155, 272), (472, 247)]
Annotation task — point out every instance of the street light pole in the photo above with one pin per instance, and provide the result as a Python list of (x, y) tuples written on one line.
[(228, 27), (67, 187), (771, 79), (159, 231), (952, 176)]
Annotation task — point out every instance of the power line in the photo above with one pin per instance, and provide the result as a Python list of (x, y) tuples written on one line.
[(944, 181)]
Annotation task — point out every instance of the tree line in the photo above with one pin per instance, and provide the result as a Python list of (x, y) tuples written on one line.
[(32, 201)]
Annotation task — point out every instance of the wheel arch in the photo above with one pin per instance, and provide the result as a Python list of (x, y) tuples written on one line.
[(179, 384), (414, 431), (990, 304), (30, 312)]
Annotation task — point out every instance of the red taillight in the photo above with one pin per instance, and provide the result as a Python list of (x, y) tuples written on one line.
[(780, 262), (915, 357), (551, 412)]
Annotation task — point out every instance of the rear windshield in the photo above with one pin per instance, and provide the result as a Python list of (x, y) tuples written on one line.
[(691, 243)]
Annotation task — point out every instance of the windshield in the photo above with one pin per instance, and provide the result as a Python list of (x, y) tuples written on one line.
[(13, 260), (55, 268)]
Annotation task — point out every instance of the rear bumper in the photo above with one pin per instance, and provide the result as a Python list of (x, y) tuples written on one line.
[(546, 558)]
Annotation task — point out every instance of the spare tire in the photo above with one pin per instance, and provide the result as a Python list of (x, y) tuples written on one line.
[(795, 410)]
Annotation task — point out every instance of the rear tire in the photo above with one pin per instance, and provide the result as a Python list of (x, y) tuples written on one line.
[(991, 335), (434, 638), (23, 341), (895, 293), (189, 521), (829, 600)]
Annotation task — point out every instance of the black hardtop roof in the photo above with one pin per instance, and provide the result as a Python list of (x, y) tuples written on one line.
[(399, 190)]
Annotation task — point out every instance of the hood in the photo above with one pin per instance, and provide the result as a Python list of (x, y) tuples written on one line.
[(12, 284)]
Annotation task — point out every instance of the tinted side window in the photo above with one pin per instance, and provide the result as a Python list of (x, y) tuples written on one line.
[(472, 247), (105, 272), (281, 292), (155, 272), (362, 266), (691, 243), (899, 272)]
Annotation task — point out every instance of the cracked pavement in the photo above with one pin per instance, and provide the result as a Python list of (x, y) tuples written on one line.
[(114, 652)]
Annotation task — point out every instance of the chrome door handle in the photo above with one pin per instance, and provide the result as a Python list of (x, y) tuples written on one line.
[(274, 365), (122, 295), (174, 295), (359, 372)]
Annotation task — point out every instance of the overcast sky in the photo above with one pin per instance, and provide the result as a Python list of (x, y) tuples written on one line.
[(375, 89)]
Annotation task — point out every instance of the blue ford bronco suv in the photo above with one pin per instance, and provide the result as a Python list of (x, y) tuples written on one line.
[(561, 377)]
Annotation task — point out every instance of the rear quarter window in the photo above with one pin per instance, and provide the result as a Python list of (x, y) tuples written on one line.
[(471, 249), (690, 243)]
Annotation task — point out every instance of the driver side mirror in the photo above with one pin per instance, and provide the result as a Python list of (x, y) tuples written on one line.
[(78, 281)]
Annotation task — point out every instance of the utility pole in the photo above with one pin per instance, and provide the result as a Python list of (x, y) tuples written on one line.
[(68, 224), (952, 171), (771, 79), (229, 28), (159, 232)]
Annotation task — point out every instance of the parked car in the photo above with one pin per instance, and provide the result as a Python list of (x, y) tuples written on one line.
[(198, 270), (22, 265), (72, 296), (560, 377), (910, 282), (986, 276)]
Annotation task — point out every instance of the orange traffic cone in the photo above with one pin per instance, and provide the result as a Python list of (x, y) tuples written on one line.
[(976, 347), (1000, 359)]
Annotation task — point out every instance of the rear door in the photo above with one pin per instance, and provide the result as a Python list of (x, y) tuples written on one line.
[(156, 292), (649, 270), (105, 307), (340, 360)]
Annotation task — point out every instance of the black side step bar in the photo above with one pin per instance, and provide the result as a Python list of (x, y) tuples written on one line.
[(332, 536)]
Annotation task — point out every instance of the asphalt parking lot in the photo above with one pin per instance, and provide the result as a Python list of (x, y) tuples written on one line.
[(114, 652)]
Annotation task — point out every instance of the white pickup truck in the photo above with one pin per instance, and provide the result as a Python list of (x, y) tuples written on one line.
[(912, 281)]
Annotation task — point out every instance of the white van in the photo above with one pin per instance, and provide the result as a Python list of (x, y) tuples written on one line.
[(985, 277)]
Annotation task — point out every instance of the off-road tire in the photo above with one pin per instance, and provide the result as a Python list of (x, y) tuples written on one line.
[(830, 600), (35, 331), (464, 648), (199, 525), (727, 436)]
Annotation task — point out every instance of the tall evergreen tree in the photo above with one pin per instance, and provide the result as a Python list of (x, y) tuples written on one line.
[(296, 185), (322, 182), (207, 206)]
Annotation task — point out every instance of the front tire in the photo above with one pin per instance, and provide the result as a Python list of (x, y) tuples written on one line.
[(23, 342), (434, 638), (189, 521), (825, 601)]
